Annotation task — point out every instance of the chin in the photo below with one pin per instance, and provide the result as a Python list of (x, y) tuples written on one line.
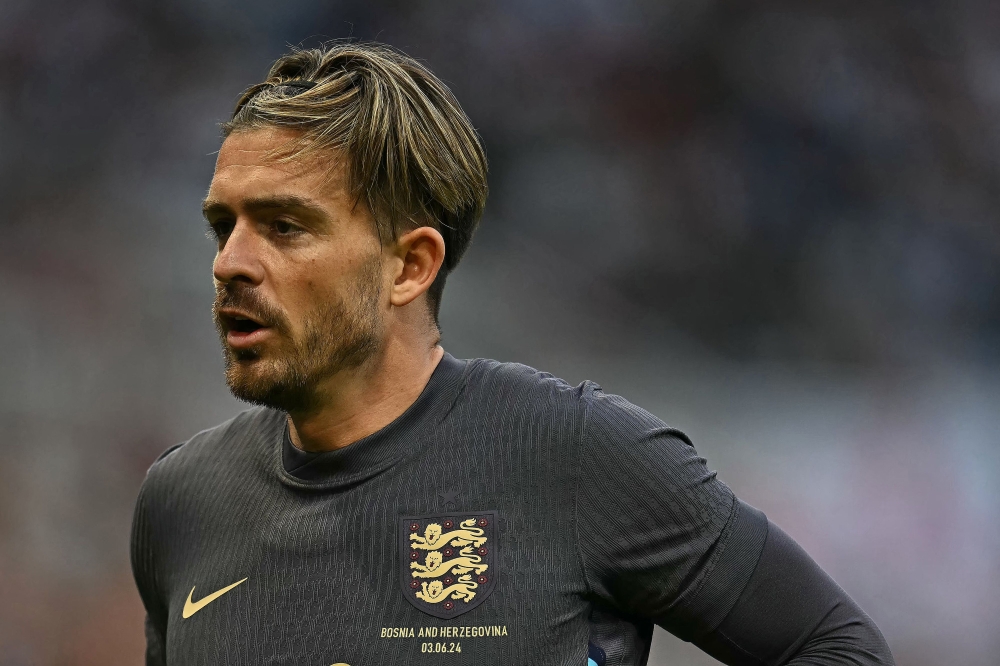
[(261, 383)]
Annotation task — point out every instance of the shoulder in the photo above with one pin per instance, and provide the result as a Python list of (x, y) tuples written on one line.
[(605, 419), (512, 384), (610, 416), (225, 443), (515, 384)]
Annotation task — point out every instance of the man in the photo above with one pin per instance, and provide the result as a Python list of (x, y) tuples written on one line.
[(387, 503)]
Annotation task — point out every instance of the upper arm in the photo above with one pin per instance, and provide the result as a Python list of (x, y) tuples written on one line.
[(663, 539), (792, 612), (147, 580), (660, 535)]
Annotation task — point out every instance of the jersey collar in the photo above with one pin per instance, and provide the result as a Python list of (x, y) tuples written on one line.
[(371, 455)]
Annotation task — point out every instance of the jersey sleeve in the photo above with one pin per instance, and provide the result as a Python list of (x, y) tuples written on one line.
[(144, 572), (791, 612), (663, 539)]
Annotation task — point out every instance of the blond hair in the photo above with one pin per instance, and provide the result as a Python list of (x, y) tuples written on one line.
[(413, 157)]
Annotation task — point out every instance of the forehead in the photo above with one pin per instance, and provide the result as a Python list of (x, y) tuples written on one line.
[(260, 162)]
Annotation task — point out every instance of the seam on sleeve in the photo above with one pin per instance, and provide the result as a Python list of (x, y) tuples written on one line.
[(737, 646), (164, 455), (710, 616), (142, 555), (727, 532), (463, 382), (581, 442)]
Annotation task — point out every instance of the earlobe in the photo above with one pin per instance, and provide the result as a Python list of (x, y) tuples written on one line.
[(422, 252)]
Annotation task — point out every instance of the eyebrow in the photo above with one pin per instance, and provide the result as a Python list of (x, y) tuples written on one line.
[(211, 207)]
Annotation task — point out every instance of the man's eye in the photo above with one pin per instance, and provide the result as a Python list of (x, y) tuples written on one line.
[(219, 230), (284, 228)]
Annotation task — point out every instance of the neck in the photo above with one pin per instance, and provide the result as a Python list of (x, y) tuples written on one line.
[(359, 401)]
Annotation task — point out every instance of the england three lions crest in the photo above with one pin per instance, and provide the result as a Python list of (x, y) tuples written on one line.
[(447, 562)]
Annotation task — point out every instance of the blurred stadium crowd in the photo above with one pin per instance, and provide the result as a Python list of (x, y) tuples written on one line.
[(774, 224)]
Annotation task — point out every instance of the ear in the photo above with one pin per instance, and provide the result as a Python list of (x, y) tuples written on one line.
[(422, 253)]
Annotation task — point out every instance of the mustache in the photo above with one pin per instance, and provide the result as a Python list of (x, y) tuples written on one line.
[(244, 297)]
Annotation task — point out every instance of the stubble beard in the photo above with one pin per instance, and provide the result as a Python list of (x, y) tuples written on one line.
[(338, 335)]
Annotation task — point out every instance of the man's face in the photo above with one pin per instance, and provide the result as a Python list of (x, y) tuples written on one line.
[(299, 274)]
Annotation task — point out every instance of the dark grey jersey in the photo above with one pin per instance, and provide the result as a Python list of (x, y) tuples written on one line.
[(506, 518)]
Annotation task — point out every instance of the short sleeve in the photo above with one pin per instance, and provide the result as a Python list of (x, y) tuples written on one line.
[(144, 572), (660, 536)]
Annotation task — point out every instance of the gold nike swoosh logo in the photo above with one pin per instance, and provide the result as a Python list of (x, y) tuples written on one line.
[(190, 608)]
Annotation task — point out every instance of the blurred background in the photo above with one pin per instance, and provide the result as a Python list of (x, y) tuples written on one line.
[(774, 224)]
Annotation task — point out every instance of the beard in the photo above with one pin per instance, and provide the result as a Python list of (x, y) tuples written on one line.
[(284, 373)]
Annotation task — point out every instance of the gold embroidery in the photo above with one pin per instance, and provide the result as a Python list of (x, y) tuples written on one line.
[(434, 539), (192, 607), (436, 592), (435, 566)]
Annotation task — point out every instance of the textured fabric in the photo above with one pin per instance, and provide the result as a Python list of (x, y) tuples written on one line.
[(582, 520), (791, 612)]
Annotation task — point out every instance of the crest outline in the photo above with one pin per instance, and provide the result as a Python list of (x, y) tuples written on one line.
[(448, 561)]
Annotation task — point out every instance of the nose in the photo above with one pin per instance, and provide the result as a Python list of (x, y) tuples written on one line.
[(239, 258)]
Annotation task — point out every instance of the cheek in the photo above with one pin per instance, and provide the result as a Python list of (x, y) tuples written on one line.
[(298, 295), (334, 277), (318, 291)]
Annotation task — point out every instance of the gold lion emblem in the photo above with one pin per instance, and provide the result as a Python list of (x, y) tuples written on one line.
[(447, 562), (436, 592), (434, 538), (435, 565)]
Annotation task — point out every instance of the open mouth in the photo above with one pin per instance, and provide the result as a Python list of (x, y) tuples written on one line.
[(241, 324), (241, 330)]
